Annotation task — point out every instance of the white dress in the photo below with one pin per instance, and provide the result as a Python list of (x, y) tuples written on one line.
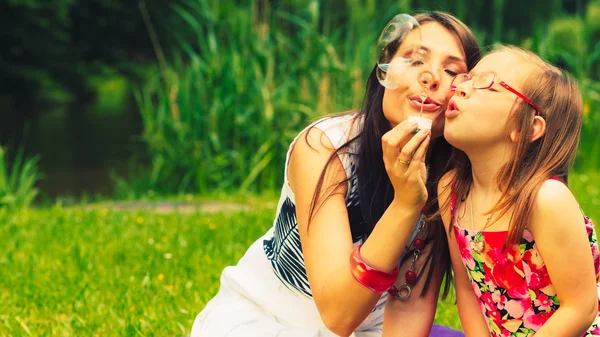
[(267, 293)]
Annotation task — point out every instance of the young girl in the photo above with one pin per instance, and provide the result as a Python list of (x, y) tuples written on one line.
[(354, 189), (523, 254)]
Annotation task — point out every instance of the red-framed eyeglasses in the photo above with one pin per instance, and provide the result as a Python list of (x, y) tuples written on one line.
[(485, 81)]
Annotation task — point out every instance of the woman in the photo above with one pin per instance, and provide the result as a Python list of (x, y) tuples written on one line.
[(351, 192)]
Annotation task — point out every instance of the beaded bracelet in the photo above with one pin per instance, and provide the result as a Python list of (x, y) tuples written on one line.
[(374, 279)]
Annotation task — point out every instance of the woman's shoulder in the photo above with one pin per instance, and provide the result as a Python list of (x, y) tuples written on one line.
[(339, 128), (329, 133)]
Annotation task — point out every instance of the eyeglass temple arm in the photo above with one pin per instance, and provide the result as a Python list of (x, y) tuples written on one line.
[(527, 100)]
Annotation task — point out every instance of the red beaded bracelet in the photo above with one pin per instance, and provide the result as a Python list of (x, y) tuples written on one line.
[(374, 279)]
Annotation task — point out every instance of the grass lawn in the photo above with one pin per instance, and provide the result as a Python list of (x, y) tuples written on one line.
[(101, 272)]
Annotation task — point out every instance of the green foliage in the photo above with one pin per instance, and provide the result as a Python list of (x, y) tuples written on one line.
[(222, 114), (223, 117), (574, 43), (17, 180), (224, 86)]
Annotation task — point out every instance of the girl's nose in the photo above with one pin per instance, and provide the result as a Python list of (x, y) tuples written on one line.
[(463, 89)]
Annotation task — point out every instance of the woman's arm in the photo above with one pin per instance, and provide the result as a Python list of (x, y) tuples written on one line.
[(471, 318), (414, 315), (561, 238), (326, 240)]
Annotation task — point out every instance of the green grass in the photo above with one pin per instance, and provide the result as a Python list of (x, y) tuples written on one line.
[(80, 271)]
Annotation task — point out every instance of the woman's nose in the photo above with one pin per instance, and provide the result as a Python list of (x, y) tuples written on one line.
[(428, 80)]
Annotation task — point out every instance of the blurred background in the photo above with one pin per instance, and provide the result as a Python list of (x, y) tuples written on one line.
[(149, 136), (139, 99)]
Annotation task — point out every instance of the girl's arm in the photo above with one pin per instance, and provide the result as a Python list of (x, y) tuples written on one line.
[(562, 241), (326, 240), (414, 315), (469, 310)]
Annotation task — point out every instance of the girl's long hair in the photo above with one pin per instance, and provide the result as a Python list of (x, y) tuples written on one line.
[(532, 163), (375, 189)]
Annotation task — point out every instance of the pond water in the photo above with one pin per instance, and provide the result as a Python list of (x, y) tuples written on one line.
[(81, 147)]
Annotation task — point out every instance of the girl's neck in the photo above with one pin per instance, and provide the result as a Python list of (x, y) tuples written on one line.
[(485, 165)]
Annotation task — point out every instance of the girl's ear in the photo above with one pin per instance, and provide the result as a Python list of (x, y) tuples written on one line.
[(538, 129)]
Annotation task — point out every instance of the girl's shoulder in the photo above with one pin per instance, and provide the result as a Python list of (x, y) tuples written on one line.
[(445, 184), (553, 193), (446, 197), (555, 208)]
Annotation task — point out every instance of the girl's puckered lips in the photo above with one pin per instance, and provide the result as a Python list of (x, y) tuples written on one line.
[(452, 110)]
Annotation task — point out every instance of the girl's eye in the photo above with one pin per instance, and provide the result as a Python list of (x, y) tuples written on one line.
[(450, 72), (416, 63), (492, 89)]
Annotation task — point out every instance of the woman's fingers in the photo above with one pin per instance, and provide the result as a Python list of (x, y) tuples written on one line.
[(392, 140), (419, 156), (408, 153)]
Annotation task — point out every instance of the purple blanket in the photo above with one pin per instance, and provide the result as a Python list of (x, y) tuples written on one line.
[(442, 331)]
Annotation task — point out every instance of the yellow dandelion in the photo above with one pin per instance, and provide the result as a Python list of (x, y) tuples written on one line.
[(160, 277), (104, 212), (586, 109), (170, 287), (212, 226), (139, 220), (163, 239)]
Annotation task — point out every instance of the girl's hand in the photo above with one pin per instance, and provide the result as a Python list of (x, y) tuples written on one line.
[(404, 159)]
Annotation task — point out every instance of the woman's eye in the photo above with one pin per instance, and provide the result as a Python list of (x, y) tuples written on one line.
[(451, 73), (492, 89), (416, 63)]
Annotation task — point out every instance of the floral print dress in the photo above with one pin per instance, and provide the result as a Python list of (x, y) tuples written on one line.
[(513, 286)]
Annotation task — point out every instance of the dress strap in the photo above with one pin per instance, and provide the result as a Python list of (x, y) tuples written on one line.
[(453, 197)]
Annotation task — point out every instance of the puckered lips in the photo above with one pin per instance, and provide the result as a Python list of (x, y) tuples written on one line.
[(430, 105), (452, 110)]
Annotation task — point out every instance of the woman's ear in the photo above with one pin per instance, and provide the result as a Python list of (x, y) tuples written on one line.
[(538, 129)]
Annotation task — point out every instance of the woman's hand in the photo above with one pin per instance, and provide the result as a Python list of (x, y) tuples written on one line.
[(404, 159)]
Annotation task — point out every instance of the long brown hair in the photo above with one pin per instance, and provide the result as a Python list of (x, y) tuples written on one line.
[(374, 186), (532, 163)]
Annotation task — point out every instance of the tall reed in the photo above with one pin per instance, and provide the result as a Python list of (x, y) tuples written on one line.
[(222, 113)]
